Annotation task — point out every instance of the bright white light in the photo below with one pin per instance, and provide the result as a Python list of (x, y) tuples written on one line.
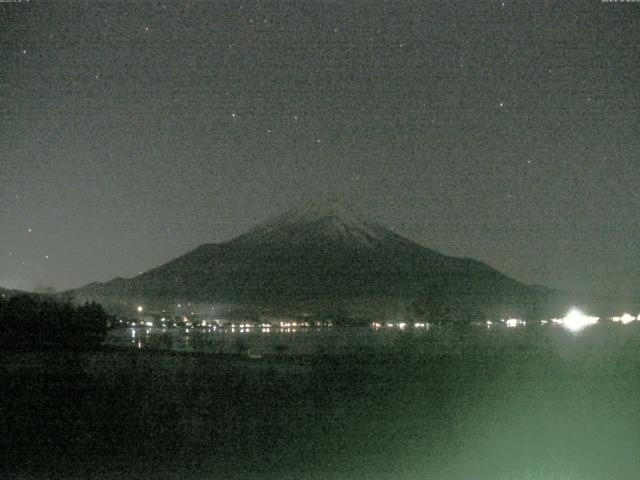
[(514, 322), (139, 308), (626, 318), (575, 320)]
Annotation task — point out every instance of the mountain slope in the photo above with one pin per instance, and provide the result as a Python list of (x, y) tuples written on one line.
[(8, 293)]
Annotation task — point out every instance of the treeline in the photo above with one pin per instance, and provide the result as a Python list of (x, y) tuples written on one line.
[(30, 321)]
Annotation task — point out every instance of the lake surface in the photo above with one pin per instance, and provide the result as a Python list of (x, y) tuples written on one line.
[(503, 405), (431, 340), (262, 341)]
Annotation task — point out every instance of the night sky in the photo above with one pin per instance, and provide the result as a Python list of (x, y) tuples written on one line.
[(503, 131)]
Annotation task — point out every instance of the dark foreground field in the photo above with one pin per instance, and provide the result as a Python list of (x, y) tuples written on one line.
[(560, 407)]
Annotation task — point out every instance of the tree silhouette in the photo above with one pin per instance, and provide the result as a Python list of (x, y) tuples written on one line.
[(30, 321)]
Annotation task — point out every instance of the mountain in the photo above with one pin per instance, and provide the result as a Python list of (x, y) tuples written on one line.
[(324, 257)]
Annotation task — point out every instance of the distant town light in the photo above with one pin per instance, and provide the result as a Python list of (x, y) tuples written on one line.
[(624, 319), (514, 322), (627, 318)]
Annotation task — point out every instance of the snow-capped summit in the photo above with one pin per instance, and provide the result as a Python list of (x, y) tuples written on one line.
[(317, 222)]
